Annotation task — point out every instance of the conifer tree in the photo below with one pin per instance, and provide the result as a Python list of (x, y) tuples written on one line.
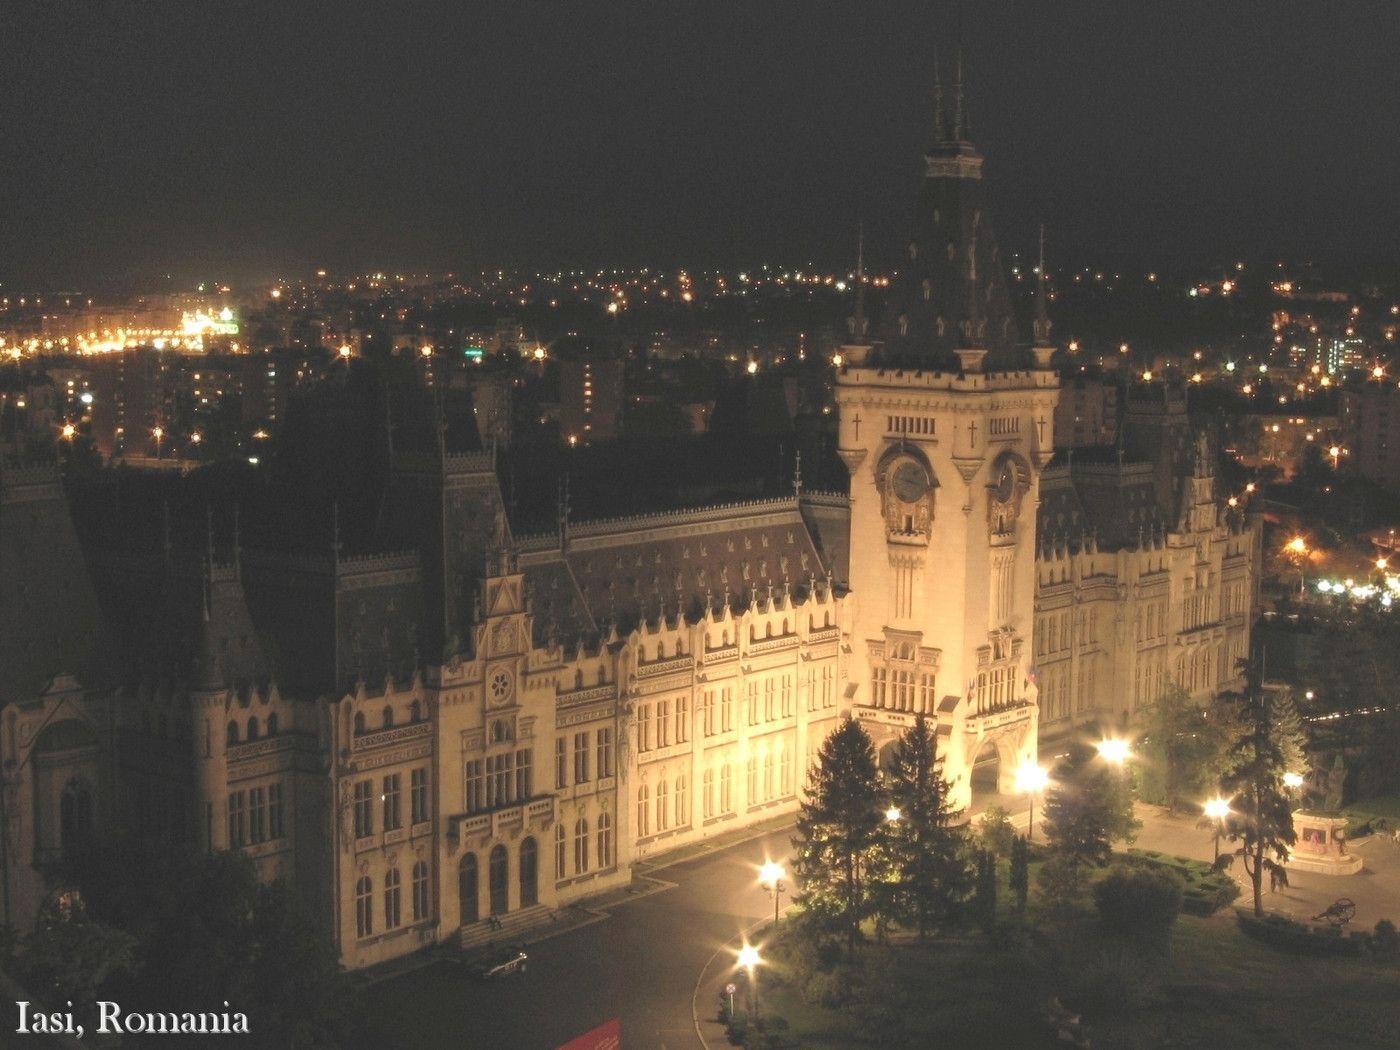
[(1288, 732), (837, 832), (1088, 807), (1262, 816), (928, 876)]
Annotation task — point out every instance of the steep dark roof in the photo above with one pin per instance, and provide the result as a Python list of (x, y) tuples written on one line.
[(50, 623), (951, 286), (627, 570)]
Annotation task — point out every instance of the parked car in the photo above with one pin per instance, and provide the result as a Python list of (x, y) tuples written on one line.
[(499, 962)]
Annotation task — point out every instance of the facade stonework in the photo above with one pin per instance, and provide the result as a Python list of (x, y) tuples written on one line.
[(458, 731)]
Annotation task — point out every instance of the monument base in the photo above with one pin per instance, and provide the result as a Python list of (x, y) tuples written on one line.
[(1321, 845)]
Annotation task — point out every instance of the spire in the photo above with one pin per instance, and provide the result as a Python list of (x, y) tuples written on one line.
[(797, 476), (960, 129), (859, 325), (974, 301), (940, 122), (972, 354), (1042, 316)]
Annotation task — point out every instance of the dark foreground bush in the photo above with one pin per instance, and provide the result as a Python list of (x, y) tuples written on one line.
[(1284, 933), (1139, 902)]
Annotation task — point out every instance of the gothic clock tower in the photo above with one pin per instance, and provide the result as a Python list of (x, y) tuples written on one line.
[(945, 425)]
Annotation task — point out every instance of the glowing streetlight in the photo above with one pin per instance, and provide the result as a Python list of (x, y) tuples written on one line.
[(750, 960), (1114, 750), (892, 814), (837, 360), (1293, 781), (1031, 780), (1217, 809), (770, 877), (68, 431), (752, 368)]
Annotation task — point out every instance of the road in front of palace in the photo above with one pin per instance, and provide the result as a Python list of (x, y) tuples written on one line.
[(639, 964)]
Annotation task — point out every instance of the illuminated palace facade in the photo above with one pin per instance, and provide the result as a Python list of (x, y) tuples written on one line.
[(442, 732)]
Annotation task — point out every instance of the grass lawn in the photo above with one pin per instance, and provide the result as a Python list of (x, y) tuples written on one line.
[(1224, 988), (1220, 989), (1359, 814), (954, 992)]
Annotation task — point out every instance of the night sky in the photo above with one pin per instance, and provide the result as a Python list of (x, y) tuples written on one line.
[(238, 140)]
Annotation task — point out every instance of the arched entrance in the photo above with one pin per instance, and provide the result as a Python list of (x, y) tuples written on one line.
[(500, 880), (468, 895), (529, 873), (996, 759)]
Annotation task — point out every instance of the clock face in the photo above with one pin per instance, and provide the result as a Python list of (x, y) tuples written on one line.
[(1006, 483), (909, 482), (499, 685)]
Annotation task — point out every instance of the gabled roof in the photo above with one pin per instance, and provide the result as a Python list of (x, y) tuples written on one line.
[(626, 570)]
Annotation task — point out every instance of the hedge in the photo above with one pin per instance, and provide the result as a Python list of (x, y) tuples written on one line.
[(1285, 933), (1206, 891)]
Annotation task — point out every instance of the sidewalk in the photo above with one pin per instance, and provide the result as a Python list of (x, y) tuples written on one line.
[(714, 844), (1375, 889)]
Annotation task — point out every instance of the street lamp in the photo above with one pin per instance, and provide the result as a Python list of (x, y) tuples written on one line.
[(1217, 809), (1293, 781), (749, 960), (1114, 750), (1031, 780), (893, 813), (771, 876)]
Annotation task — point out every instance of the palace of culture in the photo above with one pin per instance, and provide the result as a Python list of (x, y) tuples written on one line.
[(461, 729)]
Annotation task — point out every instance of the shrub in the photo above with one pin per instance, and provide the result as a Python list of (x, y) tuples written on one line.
[(1061, 881), (1207, 896), (1385, 939), (1293, 936), (995, 832), (1139, 901), (1206, 890)]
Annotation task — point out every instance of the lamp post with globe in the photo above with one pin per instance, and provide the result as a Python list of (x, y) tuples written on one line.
[(770, 877), (1217, 809), (749, 959), (1031, 780)]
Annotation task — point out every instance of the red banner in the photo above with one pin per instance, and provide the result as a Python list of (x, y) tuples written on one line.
[(607, 1036)]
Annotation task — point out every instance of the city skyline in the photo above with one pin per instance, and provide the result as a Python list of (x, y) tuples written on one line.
[(202, 145)]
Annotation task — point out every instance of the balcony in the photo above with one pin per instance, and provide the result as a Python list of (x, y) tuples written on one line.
[(996, 716), (493, 823)]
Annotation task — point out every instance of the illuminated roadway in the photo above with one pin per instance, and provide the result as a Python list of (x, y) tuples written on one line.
[(640, 963)]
